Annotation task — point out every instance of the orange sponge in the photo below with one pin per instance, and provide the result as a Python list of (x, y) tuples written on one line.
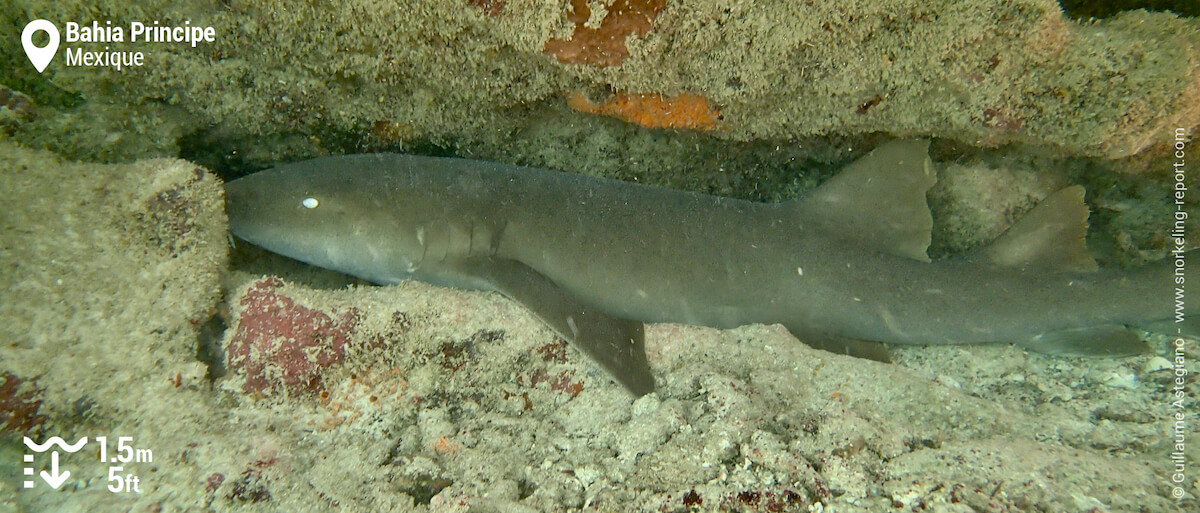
[(604, 45), (653, 110)]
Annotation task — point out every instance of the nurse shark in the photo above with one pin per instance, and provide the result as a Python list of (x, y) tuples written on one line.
[(844, 268)]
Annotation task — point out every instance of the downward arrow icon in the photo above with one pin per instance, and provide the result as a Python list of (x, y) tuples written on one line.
[(53, 478)]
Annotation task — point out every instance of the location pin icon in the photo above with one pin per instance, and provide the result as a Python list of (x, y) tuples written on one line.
[(40, 57)]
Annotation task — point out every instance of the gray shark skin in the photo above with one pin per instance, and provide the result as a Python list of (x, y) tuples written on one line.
[(844, 268)]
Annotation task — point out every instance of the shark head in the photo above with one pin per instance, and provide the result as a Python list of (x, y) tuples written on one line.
[(329, 214)]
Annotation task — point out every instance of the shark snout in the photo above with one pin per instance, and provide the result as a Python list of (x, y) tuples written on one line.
[(241, 201), (235, 200)]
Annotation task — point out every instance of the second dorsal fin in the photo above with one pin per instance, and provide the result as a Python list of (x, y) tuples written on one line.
[(878, 201), (1052, 236)]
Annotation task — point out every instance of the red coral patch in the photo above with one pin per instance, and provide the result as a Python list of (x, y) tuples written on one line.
[(282, 346), (489, 7), (19, 403)]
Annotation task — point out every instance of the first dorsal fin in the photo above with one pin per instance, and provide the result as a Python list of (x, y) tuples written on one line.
[(1051, 236), (878, 202)]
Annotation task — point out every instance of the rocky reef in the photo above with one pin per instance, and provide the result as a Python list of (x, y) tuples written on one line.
[(478, 73), (260, 384)]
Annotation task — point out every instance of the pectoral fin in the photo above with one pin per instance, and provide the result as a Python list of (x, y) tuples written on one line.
[(617, 345), (1106, 340), (867, 349)]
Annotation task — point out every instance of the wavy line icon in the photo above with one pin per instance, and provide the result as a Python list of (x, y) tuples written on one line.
[(55, 440)]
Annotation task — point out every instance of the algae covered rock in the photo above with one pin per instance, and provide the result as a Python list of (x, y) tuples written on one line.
[(367, 74)]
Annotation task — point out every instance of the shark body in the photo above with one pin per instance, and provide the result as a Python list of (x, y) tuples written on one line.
[(843, 268)]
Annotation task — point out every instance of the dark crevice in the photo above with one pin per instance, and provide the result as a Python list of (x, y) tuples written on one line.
[(525, 489), (1100, 9), (208, 346)]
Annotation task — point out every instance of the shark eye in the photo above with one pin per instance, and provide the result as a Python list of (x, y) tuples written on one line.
[(310, 202)]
